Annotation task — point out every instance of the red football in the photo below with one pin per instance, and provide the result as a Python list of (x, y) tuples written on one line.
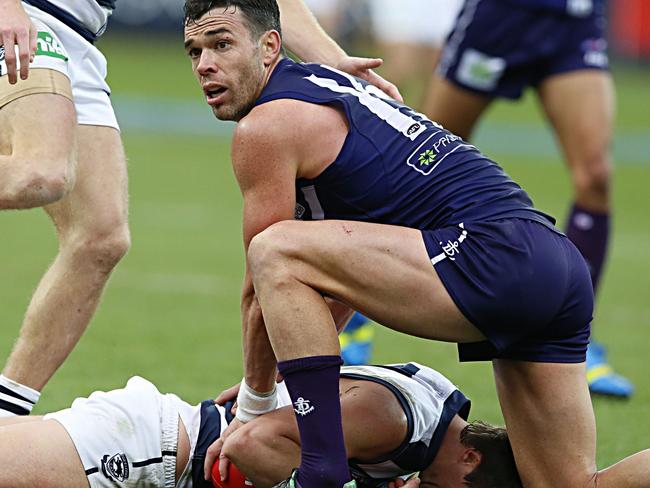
[(235, 478)]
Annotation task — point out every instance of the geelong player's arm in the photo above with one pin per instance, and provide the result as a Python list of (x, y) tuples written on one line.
[(265, 165), (303, 35), (16, 29)]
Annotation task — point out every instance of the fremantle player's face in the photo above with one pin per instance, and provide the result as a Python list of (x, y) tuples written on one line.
[(226, 61)]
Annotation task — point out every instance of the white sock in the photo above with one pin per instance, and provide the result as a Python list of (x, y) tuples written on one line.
[(16, 399)]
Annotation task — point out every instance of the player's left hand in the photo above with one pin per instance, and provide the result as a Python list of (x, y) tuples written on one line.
[(214, 452), (363, 68)]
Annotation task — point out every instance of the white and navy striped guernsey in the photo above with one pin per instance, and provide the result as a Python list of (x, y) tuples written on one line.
[(87, 17), (430, 402)]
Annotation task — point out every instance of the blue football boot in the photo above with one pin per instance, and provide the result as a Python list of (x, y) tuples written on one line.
[(356, 340), (601, 377)]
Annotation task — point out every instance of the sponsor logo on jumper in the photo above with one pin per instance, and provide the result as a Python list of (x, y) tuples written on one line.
[(478, 70), (303, 407), (413, 129), (427, 157), (434, 150), (46, 45), (595, 52), (116, 467), (452, 248)]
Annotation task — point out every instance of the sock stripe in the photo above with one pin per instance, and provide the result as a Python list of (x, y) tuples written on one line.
[(15, 401), (10, 392), (13, 408)]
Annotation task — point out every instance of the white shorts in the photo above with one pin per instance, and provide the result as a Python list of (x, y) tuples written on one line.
[(425, 22), (61, 49), (127, 437)]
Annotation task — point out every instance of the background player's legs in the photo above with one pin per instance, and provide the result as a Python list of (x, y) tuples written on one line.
[(580, 106), (455, 108), (37, 138), (552, 429), (91, 224), (39, 453), (380, 270)]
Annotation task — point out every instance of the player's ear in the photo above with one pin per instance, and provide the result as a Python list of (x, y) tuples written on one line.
[(471, 458), (271, 44)]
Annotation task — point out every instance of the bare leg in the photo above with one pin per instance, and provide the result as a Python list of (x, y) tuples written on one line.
[(458, 110), (580, 106), (39, 453), (37, 157), (91, 223), (550, 422), (386, 274)]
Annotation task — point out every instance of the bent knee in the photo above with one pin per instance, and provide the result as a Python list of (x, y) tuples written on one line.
[(592, 177), (270, 248), (31, 186), (102, 250)]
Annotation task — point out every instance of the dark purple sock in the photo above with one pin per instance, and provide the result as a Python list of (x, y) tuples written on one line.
[(313, 383), (589, 231)]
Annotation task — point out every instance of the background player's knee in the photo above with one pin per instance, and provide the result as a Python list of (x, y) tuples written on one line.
[(99, 250), (30, 184), (592, 175)]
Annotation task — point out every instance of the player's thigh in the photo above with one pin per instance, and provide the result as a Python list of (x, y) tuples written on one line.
[(580, 105), (98, 202), (455, 108), (39, 129), (39, 453), (381, 270), (550, 421)]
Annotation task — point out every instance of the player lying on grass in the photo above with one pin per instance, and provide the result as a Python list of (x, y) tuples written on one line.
[(397, 420)]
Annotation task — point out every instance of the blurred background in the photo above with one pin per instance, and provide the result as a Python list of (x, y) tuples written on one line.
[(171, 309)]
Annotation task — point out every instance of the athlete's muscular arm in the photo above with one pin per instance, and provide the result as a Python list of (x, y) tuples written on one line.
[(269, 447), (16, 29), (265, 165), (304, 36)]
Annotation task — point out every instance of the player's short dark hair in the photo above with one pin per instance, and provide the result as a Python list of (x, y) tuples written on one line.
[(497, 468), (261, 15)]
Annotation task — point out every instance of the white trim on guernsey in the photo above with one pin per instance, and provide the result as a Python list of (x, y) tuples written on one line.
[(312, 200)]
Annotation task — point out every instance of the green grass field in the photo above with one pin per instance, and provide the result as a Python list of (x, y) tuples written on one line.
[(171, 310)]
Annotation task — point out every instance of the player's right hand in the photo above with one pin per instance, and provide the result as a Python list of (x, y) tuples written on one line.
[(214, 452), (16, 29)]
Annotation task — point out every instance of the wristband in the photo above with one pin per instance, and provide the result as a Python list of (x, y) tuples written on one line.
[(252, 404)]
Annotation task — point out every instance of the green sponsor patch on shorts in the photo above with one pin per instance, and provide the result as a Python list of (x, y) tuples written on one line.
[(46, 45)]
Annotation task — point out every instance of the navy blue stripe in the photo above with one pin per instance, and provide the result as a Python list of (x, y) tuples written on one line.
[(65, 17), (12, 393), (408, 369), (209, 431), (147, 462), (92, 471), (107, 3), (13, 408)]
